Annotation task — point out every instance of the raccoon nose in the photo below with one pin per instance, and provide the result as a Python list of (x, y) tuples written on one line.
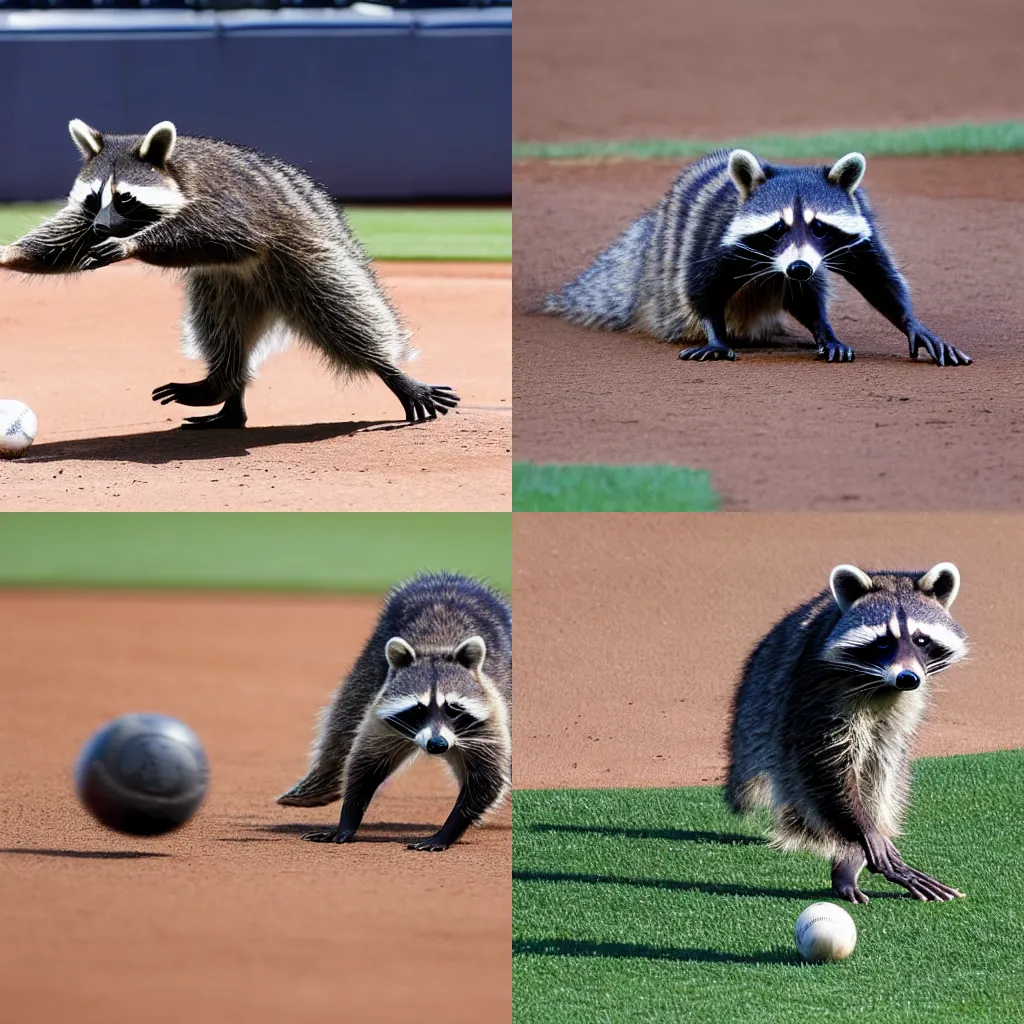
[(436, 745), (101, 223), (908, 680), (799, 270)]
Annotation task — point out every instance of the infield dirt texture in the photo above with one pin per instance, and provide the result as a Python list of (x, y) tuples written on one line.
[(778, 429), (85, 352)]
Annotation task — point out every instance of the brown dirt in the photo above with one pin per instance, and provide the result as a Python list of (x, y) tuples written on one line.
[(234, 918), (656, 68), (778, 429), (633, 629), (85, 351)]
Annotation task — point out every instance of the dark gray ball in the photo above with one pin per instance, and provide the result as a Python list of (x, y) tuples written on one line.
[(142, 774)]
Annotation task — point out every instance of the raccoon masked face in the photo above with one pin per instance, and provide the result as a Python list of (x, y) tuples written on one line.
[(124, 185), (896, 628), (792, 220), (435, 699)]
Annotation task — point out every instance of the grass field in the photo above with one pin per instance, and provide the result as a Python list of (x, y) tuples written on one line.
[(593, 488), (659, 906), (388, 232), (998, 137), (280, 551)]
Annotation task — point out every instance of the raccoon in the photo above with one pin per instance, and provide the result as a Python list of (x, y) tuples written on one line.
[(735, 243), (435, 677), (265, 253), (826, 714)]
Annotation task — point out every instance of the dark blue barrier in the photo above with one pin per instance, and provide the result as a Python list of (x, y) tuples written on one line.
[(412, 105)]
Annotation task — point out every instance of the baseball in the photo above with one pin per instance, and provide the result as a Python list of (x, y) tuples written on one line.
[(825, 931), (17, 428)]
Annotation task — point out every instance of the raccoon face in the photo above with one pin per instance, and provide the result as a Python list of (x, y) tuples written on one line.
[(793, 219), (896, 627), (435, 698), (124, 184)]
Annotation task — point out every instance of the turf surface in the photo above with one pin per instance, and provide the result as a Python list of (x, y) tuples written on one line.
[(999, 137), (593, 488), (659, 906), (387, 232), (295, 551)]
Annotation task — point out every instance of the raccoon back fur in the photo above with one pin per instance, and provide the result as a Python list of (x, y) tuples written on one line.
[(734, 244), (435, 677), (826, 714), (265, 252)]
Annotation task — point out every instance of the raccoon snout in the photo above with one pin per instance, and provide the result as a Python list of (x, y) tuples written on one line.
[(799, 270), (436, 745), (907, 680), (101, 224)]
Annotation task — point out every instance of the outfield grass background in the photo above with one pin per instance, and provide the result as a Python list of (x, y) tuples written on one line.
[(352, 552), (387, 232), (659, 906), (929, 140)]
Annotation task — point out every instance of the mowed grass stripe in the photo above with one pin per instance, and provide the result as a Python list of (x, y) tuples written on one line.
[(595, 488), (934, 140), (350, 552), (658, 906), (387, 232)]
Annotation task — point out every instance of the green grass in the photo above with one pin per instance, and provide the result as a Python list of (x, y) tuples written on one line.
[(388, 232), (999, 137), (591, 488), (654, 906), (351, 551)]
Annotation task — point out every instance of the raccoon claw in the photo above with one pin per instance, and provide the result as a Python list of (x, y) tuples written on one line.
[(333, 836), (202, 392), (708, 352), (835, 352), (426, 404), (431, 844), (942, 353), (103, 254)]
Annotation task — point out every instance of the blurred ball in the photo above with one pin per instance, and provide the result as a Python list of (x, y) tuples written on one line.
[(825, 931), (142, 774), (18, 428)]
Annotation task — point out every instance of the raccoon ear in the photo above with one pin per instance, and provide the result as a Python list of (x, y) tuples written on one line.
[(942, 582), (847, 172), (399, 653), (471, 653), (87, 140), (848, 583), (746, 173), (158, 145)]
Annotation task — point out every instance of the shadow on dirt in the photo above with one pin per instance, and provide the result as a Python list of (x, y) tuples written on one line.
[(618, 950), (374, 832), (85, 854), (157, 447)]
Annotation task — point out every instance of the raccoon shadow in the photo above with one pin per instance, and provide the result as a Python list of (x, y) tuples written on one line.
[(84, 854), (671, 834), (158, 447), (626, 950), (678, 885), (369, 832)]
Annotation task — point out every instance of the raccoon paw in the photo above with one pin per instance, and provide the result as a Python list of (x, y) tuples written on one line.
[(942, 353), (103, 254), (334, 835), (835, 351), (708, 352), (428, 402), (432, 844), (202, 392)]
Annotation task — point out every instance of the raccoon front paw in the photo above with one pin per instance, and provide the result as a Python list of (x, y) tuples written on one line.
[(333, 836), (942, 353), (835, 351), (428, 402), (707, 352), (432, 844), (103, 254)]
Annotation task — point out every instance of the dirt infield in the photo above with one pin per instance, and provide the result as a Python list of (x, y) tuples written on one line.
[(234, 918), (778, 429), (629, 651), (86, 351), (657, 68)]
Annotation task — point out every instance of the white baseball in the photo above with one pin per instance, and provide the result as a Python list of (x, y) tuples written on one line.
[(18, 427), (825, 932)]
